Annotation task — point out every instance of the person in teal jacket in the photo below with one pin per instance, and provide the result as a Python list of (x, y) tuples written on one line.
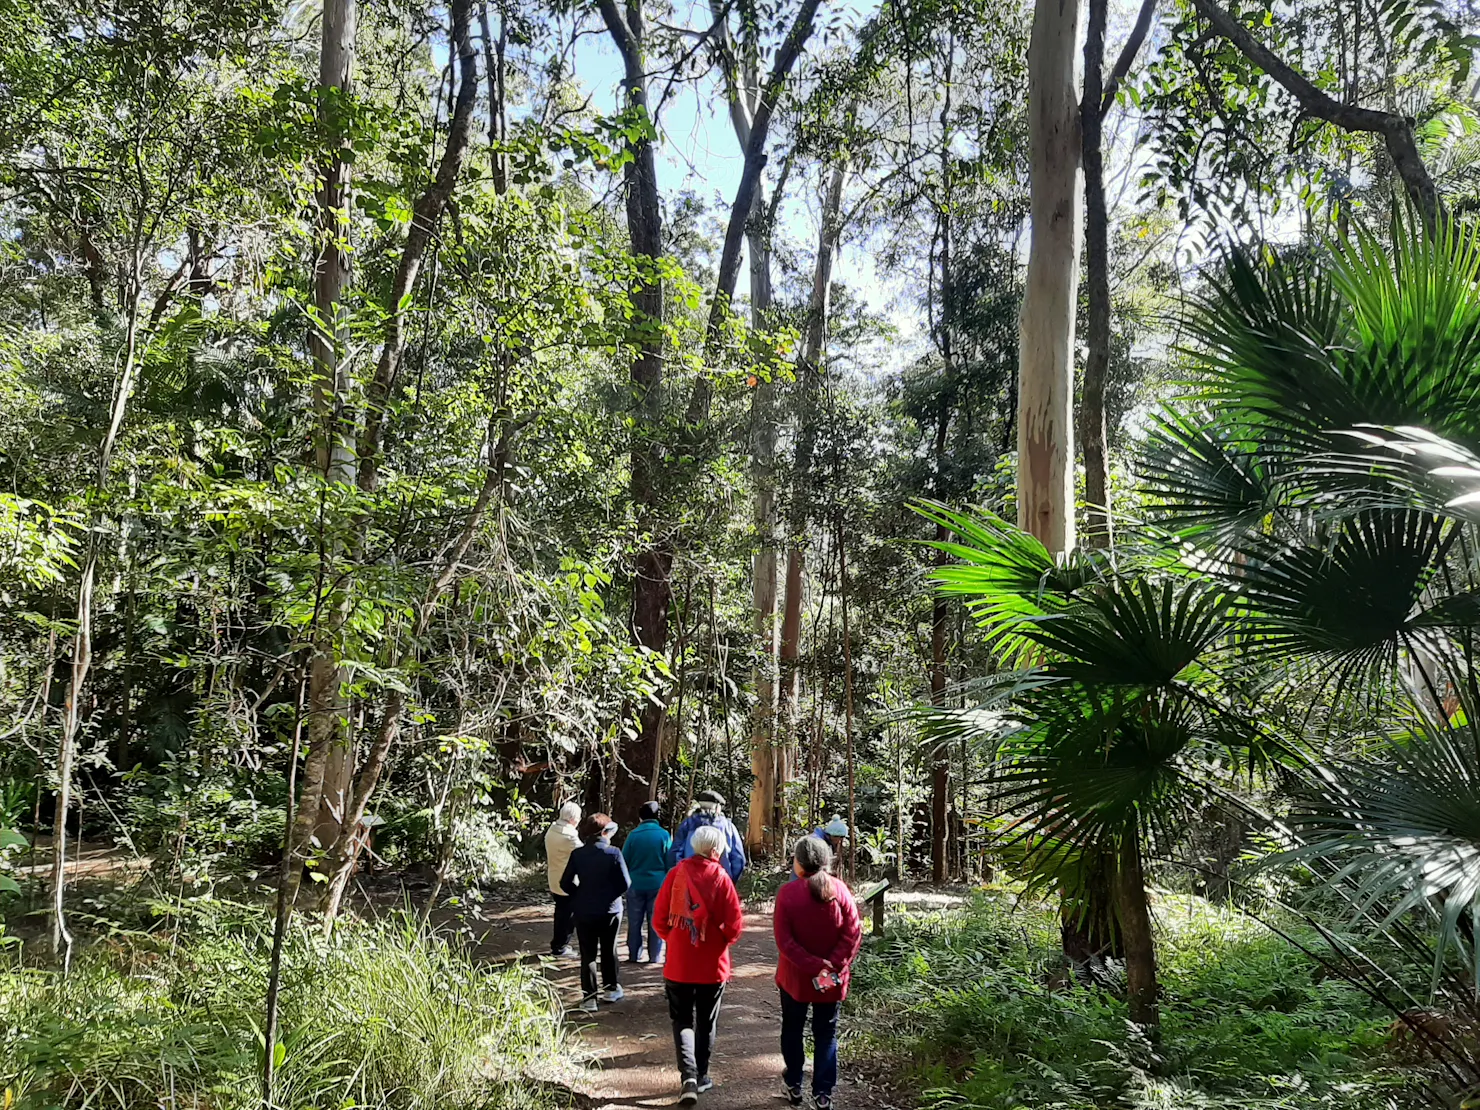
[(646, 851)]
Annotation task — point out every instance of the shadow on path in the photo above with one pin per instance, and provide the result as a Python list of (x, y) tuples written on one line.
[(630, 1043)]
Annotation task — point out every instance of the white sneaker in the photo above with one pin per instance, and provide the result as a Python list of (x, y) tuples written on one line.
[(612, 996), (589, 1006)]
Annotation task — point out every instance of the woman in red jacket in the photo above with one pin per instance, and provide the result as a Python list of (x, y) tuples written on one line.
[(817, 936), (698, 914)]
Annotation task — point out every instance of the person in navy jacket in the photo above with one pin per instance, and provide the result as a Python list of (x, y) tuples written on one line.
[(596, 881), (708, 810)]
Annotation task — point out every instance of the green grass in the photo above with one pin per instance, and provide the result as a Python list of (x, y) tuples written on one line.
[(969, 1001), (379, 1017)]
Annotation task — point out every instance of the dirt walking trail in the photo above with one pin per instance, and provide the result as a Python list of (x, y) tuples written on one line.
[(630, 1043)]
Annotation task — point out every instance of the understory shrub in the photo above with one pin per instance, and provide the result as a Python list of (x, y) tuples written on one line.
[(380, 1016), (977, 1002)]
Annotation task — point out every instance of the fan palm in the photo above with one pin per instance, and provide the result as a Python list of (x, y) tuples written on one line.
[(1309, 529), (1120, 731), (1333, 498)]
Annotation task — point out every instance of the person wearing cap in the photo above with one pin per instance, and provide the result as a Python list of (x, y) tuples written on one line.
[(833, 834), (646, 852), (596, 880), (709, 810)]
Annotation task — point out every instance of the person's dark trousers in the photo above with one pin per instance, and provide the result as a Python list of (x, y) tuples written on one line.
[(694, 1009), (640, 907), (565, 923), (824, 1043), (598, 940)]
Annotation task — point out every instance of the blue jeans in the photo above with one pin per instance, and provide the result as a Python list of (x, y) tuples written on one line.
[(640, 907), (824, 1043)]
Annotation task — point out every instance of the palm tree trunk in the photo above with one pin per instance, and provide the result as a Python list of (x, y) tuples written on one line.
[(1134, 913)]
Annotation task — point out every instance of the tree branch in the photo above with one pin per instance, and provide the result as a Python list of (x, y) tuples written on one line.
[(1128, 54), (1396, 130)]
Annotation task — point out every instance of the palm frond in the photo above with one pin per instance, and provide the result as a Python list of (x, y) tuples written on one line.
[(1210, 480), (1137, 633), (1402, 833), (1008, 579), (1348, 597)]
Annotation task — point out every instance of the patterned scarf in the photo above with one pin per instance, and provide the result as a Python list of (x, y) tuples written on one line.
[(685, 910)]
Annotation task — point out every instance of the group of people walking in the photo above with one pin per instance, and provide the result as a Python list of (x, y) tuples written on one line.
[(684, 914)]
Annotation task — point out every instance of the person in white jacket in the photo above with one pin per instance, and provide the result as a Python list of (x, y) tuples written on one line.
[(560, 841)]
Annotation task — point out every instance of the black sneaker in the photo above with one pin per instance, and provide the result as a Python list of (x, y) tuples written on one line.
[(690, 1093), (793, 1095), (565, 953), (822, 1102), (705, 1084)]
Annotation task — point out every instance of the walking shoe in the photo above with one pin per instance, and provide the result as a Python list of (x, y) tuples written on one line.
[(705, 1084), (613, 995), (589, 1005), (564, 954), (793, 1094), (690, 1093), (822, 1102)]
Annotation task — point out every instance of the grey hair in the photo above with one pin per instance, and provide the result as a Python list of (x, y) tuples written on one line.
[(707, 840), (570, 813), (814, 857)]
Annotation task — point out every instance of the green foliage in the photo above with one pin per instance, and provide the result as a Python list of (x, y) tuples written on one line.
[(977, 1003), (382, 1016)]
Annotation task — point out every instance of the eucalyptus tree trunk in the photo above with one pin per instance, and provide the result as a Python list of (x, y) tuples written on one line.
[(809, 376), (1046, 328), (743, 90), (652, 588), (768, 758), (354, 793), (61, 937), (1092, 426), (940, 755)]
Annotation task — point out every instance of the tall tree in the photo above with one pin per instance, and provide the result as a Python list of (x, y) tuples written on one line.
[(652, 589), (327, 763), (1046, 344)]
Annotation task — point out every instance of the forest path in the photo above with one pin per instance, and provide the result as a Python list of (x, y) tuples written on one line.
[(630, 1043)]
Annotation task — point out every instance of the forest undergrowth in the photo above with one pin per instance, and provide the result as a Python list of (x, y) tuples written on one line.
[(382, 1016), (975, 1006)]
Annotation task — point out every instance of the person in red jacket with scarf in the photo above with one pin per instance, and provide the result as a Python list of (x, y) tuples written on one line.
[(699, 915), (817, 937)]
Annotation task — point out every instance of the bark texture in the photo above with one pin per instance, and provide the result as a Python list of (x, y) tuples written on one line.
[(1046, 327), (652, 587), (809, 377), (328, 759), (1092, 426)]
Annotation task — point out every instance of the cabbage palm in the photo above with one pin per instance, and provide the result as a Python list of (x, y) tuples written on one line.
[(1304, 535), (1122, 731), (1332, 496)]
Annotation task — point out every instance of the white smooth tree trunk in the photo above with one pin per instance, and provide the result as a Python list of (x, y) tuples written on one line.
[(1046, 328)]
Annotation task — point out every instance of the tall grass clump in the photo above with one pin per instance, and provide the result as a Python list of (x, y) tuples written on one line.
[(976, 1005), (380, 1016)]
